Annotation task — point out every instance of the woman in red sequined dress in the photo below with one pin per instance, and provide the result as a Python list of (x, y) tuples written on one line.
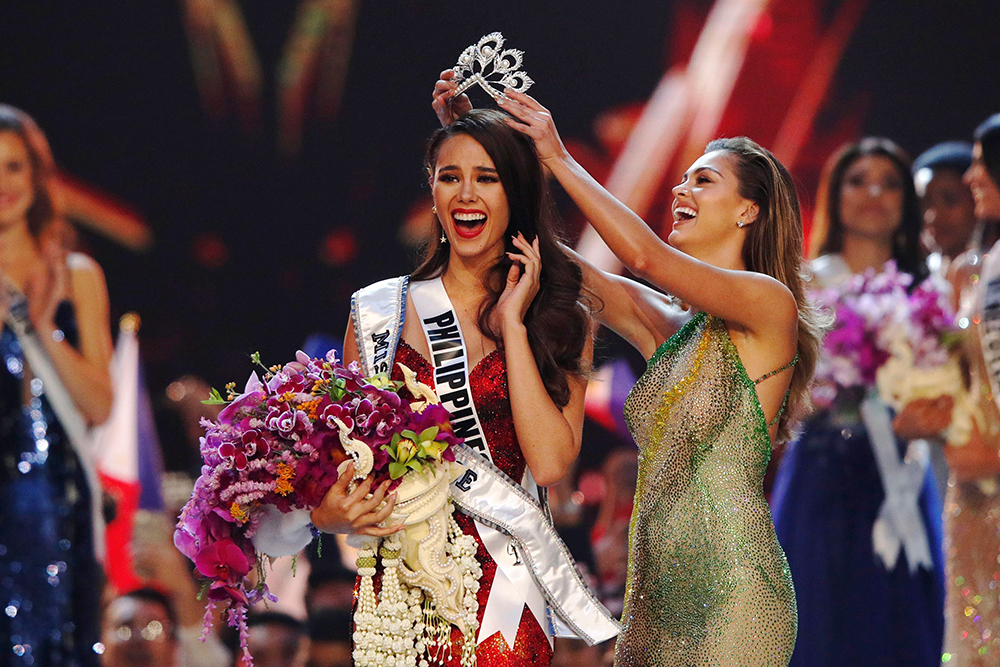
[(516, 295)]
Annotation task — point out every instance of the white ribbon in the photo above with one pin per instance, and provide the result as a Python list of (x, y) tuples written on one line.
[(512, 588), (73, 423), (899, 525)]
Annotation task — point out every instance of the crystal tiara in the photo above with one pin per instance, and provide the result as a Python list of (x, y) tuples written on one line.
[(484, 63)]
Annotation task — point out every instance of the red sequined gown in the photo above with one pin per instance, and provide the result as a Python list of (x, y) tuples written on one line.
[(488, 381)]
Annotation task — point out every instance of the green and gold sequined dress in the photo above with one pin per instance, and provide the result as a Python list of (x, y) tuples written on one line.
[(708, 583)]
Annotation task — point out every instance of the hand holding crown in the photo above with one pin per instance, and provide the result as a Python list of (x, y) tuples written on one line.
[(485, 63), (536, 122), (449, 106), (496, 71)]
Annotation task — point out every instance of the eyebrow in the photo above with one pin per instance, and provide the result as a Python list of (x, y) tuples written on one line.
[(455, 167), (713, 169)]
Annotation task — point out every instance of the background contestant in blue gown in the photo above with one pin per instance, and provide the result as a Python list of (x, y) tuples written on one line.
[(828, 492), (50, 578)]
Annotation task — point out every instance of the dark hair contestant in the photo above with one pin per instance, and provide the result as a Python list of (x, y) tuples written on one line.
[(988, 137), (906, 248), (558, 324)]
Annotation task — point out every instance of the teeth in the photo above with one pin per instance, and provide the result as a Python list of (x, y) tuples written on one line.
[(686, 211), (470, 217)]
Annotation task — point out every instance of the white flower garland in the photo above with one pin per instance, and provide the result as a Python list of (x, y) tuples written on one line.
[(401, 626)]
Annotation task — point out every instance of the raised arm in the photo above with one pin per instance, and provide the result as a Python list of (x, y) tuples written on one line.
[(753, 300), (642, 316)]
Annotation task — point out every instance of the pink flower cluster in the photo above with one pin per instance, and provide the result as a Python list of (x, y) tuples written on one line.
[(278, 443), (873, 313)]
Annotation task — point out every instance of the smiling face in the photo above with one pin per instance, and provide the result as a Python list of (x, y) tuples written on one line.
[(470, 200), (17, 191), (871, 198), (707, 206), (985, 191)]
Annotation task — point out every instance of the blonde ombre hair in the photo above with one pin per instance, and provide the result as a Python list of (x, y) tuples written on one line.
[(773, 247)]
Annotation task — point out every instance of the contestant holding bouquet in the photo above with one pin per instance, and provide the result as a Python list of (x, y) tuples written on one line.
[(488, 344), (855, 504), (708, 582), (496, 274)]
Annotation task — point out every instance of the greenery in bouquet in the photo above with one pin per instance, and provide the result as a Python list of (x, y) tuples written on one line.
[(283, 442)]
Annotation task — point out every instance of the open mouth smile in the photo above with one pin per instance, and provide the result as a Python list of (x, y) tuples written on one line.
[(684, 213), (468, 223)]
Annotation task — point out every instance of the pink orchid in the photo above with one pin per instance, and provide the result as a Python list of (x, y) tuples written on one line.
[(223, 561)]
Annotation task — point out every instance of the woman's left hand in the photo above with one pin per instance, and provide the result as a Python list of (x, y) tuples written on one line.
[(536, 122), (522, 283)]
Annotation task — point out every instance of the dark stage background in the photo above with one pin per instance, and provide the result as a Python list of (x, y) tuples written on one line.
[(242, 232)]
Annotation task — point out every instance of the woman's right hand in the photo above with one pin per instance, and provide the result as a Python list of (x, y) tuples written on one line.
[(924, 418), (49, 286), (448, 107), (343, 512)]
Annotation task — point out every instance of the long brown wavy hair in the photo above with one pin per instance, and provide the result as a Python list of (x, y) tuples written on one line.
[(773, 246), (557, 323), (43, 209)]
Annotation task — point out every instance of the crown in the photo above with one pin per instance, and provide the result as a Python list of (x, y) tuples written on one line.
[(484, 63)]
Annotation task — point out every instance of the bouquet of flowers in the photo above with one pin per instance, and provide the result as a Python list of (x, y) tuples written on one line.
[(281, 445), (886, 337)]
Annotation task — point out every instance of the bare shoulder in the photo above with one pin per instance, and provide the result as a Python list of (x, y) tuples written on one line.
[(780, 308), (84, 269), (87, 280)]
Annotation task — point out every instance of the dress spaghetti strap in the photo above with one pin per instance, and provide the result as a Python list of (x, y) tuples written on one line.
[(784, 403)]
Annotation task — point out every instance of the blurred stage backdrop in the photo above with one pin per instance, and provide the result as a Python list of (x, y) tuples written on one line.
[(239, 168)]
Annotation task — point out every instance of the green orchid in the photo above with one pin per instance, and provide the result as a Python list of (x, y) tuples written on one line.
[(410, 450)]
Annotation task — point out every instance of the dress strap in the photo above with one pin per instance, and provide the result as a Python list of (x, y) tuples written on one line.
[(778, 370), (784, 403)]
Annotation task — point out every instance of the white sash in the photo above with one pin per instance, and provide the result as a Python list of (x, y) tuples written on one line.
[(899, 525), (491, 498), (990, 339), (73, 423), (450, 361), (378, 312), (534, 567)]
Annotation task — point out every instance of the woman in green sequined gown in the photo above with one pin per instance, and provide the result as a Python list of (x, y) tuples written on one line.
[(708, 583)]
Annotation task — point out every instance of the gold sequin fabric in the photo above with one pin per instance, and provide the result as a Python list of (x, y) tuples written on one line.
[(972, 543), (708, 583), (972, 588)]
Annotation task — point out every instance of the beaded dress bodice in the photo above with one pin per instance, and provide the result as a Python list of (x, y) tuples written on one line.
[(708, 583)]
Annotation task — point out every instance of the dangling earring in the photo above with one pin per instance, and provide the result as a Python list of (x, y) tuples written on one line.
[(443, 239)]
